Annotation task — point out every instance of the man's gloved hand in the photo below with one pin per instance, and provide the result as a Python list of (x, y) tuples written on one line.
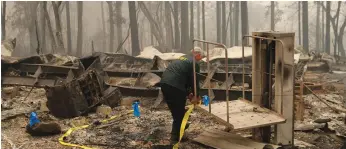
[(194, 99), (190, 96)]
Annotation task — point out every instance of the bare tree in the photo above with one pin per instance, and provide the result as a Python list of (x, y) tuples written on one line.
[(31, 15), (3, 15), (218, 21), (318, 29), (198, 20), (43, 30), (119, 21), (334, 21), (111, 26), (151, 34), (152, 42), (203, 22), (184, 5), (168, 22), (191, 25), (103, 27), (68, 28), (223, 21), (328, 17), (231, 31), (176, 25), (244, 21), (305, 26), (156, 29), (80, 28), (134, 28), (299, 24), (38, 48), (335, 28), (341, 38), (236, 23), (322, 29), (50, 28), (272, 14), (58, 32)]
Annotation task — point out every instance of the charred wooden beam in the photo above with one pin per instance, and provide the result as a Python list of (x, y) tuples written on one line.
[(49, 69), (28, 81), (154, 92), (237, 77)]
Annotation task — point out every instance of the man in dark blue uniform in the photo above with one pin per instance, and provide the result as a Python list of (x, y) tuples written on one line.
[(177, 84)]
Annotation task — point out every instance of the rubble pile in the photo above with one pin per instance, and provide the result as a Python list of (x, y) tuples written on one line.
[(73, 92), (324, 123)]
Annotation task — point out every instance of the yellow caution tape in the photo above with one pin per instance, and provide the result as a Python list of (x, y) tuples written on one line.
[(61, 139), (183, 124)]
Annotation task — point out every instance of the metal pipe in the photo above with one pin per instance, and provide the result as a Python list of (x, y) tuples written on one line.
[(194, 69), (270, 78), (226, 62), (208, 69), (261, 68), (243, 60)]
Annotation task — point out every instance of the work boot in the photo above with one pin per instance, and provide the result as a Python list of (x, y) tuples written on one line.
[(174, 138)]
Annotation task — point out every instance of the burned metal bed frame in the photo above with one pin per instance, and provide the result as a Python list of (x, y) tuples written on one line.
[(208, 69)]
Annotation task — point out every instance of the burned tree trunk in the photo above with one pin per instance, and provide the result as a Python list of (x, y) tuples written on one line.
[(176, 25), (335, 28), (322, 31), (184, 11), (299, 25), (168, 22), (203, 22), (111, 26), (340, 39), (43, 30), (80, 28), (334, 21), (223, 22), (50, 29), (191, 25), (134, 28), (244, 21), (272, 13), (198, 20), (68, 28), (58, 32), (218, 21), (31, 15), (318, 29), (236, 23), (327, 44), (151, 35), (119, 22), (155, 26), (3, 15), (305, 26), (103, 27), (231, 25)]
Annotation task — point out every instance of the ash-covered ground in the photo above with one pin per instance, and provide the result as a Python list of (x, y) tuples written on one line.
[(154, 125)]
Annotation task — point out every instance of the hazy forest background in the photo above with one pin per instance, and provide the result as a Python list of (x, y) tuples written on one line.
[(80, 28)]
